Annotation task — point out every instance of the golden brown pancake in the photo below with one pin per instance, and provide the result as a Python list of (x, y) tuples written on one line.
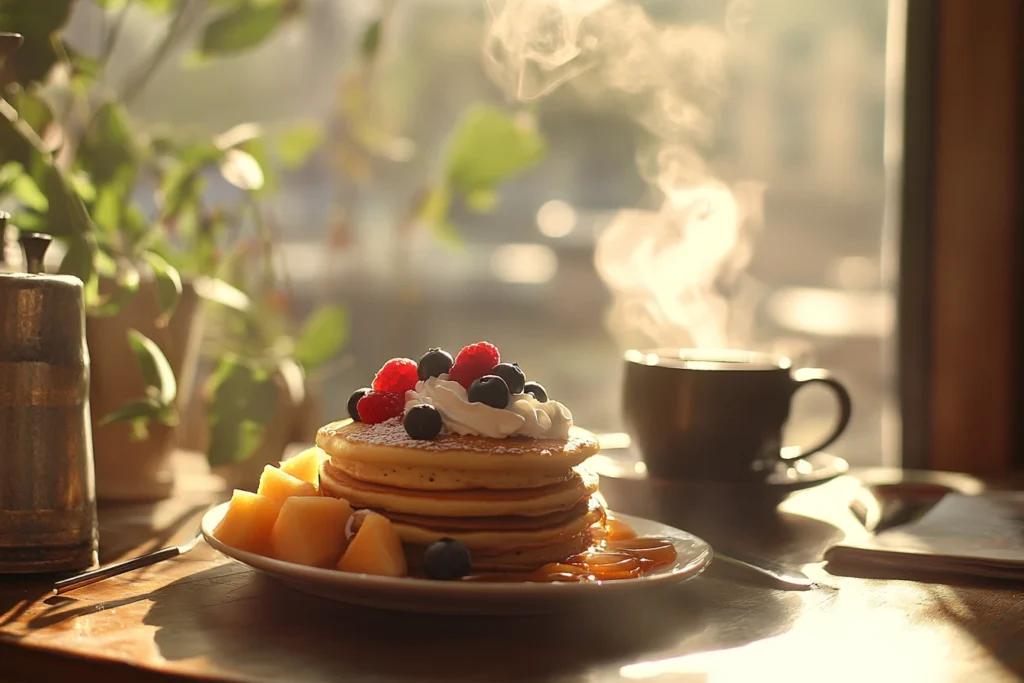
[(477, 502), (516, 503), (388, 444), (431, 478), (496, 539)]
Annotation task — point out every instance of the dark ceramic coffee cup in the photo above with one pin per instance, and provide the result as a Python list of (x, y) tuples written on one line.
[(717, 415)]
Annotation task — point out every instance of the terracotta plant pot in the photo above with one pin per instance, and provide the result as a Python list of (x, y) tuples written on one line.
[(126, 469)]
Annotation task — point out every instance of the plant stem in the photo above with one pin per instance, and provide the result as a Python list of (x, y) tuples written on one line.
[(140, 79), (114, 33)]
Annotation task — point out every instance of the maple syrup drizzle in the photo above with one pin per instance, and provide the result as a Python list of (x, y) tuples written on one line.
[(617, 553)]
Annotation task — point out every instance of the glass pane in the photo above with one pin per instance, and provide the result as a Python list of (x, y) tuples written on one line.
[(713, 176)]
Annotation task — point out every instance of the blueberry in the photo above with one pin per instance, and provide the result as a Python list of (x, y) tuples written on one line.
[(433, 363), (354, 399), (422, 422), (537, 390), (490, 390), (513, 376), (446, 559)]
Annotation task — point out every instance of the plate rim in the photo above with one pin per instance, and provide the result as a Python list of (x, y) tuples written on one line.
[(289, 571)]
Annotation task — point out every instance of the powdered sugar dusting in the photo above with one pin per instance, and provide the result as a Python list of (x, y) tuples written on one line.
[(391, 433)]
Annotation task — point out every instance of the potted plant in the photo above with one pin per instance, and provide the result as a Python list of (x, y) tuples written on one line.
[(128, 203)]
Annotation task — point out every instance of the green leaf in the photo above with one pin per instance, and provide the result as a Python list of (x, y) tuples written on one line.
[(297, 144), (322, 336), (481, 200), (78, 260), (370, 44), (40, 23), (141, 411), (243, 401), (109, 150), (9, 172), (257, 149), (159, 6), (242, 170), (122, 291), (34, 111), (168, 286), (83, 186), (156, 370), (28, 193), (489, 147), (242, 28)]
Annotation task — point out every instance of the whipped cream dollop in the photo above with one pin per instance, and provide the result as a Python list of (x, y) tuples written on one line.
[(524, 415)]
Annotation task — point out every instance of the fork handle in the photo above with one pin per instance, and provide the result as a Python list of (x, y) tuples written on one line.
[(91, 577)]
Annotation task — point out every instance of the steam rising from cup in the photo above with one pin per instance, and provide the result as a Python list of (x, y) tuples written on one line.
[(675, 271)]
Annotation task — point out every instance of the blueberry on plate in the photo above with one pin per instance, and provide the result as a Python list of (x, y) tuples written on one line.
[(422, 422), (354, 399), (433, 363), (513, 376), (490, 390), (537, 390), (446, 559)]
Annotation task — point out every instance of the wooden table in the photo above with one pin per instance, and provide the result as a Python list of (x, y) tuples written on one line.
[(204, 617)]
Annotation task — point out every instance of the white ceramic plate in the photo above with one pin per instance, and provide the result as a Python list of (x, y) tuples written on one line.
[(452, 597)]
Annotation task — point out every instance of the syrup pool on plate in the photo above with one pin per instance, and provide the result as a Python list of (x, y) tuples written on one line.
[(618, 553)]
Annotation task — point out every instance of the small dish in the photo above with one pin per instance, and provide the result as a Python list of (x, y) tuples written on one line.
[(453, 597)]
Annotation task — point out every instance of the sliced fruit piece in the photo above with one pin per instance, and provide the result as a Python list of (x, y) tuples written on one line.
[(248, 522), (376, 549), (310, 531), (279, 485), (304, 466)]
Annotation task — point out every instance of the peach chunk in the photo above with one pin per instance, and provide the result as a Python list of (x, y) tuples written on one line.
[(304, 466), (279, 486), (375, 549), (310, 531), (248, 522)]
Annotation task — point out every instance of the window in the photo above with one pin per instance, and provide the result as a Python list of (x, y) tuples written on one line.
[(638, 114)]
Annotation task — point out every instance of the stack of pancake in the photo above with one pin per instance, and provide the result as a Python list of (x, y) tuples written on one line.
[(516, 503)]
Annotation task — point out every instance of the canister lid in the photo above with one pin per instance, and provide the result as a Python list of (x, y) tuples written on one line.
[(42, 317)]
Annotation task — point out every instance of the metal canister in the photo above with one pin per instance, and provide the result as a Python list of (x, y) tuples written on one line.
[(47, 482)]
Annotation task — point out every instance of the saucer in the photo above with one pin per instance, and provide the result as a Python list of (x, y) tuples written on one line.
[(625, 464), (455, 597)]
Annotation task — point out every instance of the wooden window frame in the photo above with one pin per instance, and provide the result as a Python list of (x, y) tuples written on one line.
[(961, 285)]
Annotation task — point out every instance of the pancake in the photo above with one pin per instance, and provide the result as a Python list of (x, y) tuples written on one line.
[(479, 502), (517, 559), (497, 540), (387, 444), (430, 478)]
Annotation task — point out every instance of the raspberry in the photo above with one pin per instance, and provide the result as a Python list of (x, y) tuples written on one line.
[(378, 406), (398, 376), (473, 362)]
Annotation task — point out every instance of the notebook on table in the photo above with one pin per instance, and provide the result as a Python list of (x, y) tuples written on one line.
[(981, 535)]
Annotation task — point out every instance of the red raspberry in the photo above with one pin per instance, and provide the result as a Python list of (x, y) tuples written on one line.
[(473, 362), (378, 406), (398, 375)]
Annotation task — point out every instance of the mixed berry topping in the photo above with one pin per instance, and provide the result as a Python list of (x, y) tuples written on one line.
[(477, 367), (433, 363), (398, 376), (537, 391), (422, 422), (473, 362), (378, 406), (514, 377), (446, 560), (353, 401), (491, 390)]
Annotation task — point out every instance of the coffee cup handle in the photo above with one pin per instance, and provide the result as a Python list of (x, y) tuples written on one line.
[(805, 377)]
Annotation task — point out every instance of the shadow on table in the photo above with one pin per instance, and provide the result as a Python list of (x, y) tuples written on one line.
[(244, 623)]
